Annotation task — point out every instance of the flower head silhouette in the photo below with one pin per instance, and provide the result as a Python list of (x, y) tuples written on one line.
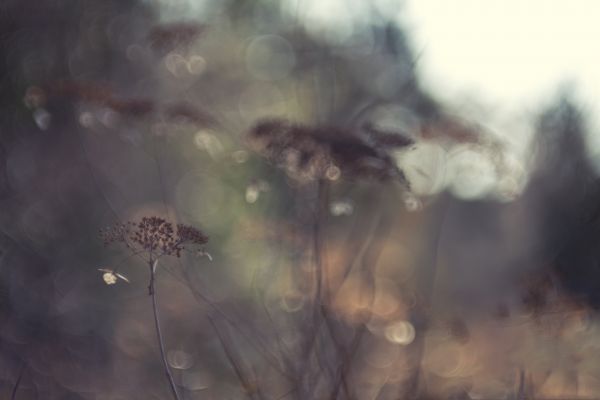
[(152, 238), (322, 152)]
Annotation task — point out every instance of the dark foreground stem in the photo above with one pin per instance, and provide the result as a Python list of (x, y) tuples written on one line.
[(425, 287), (318, 240), (13, 394), (159, 335)]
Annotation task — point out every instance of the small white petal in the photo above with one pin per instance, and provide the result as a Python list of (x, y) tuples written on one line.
[(121, 276), (109, 278)]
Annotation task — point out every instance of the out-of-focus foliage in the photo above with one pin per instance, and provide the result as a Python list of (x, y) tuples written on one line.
[(375, 245)]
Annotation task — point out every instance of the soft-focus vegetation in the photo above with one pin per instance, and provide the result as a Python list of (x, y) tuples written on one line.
[(367, 240)]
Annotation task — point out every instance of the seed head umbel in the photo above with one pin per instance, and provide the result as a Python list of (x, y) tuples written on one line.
[(323, 152), (154, 235)]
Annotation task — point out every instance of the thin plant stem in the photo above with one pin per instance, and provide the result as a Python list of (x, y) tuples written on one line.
[(247, 384), (13, 394), (425, 286), (317, 317), (318, 245), (159, 335), (254, 342)]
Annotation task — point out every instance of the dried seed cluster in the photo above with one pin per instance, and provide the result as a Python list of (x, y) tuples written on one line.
[(327, 152), (155, 235)]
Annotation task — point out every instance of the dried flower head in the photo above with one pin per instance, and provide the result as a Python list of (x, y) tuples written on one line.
[(154, 236), (327, 152)]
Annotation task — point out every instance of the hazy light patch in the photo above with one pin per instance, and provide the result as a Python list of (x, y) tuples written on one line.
[(207, 141), (331, 19), (270, 57), (254, 189), (509, 49), (240, 156), (195, 189), (262, 100), (393, 117), (292, 301), (176, 64), (196, 65), (174, 10), (512, 179), (34, 97), (196, 380), (335, 21), (385, 302), (109, 118), (400, 332), (471, 173), (42, 118), (510, 54), (445, 359), (412, 203), (180, 359), (252, 194), (382, 355), (424, 167), (333, 173), (341, 207), (86, 119)]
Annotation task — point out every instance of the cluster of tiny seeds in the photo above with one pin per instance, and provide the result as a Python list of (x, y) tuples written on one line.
[(155, 235), (117, 233), (189, 234)]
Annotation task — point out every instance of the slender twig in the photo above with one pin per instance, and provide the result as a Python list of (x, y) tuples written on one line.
[(283, 349), (88, 163), (159, 336), (246, 384), (346, 364), (13, 394), (313, 333), (369, 255), (255, 342), (318, 244), (425, 287)]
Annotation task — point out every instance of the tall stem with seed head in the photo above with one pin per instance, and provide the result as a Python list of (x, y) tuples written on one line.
[(156, 237), (159, 336)]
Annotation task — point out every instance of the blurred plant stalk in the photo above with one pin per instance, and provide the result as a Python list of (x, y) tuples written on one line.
[(152, 264)]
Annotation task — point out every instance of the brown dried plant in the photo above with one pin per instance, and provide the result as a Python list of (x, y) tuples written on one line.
[(322, 154), (314, 153), (103, 95), (153, 238)]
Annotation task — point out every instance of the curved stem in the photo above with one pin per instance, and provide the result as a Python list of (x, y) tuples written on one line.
[(159, 335), (318, 240), (13, 394)]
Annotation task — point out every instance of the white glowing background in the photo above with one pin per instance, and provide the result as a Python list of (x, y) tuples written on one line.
[(498, 62), (507, 50), (510, 57)]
